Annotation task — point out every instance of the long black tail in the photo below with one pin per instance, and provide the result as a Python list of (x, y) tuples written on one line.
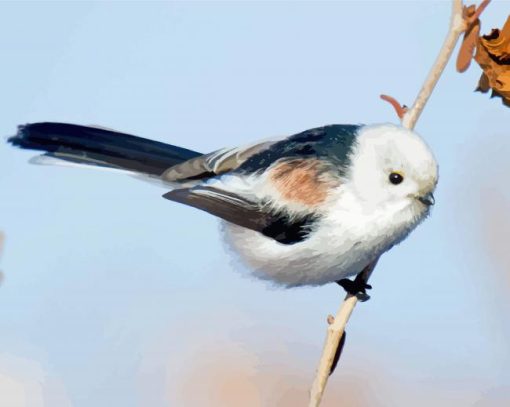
[(99, 147)]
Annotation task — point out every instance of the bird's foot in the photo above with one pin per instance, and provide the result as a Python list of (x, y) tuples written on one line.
[(358, 287)]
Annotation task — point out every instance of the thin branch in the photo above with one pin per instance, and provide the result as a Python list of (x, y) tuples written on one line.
[(457, 27), (335, 331), (337, 327)]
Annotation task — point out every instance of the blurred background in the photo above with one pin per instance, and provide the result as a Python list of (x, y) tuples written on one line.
[(113, 296)]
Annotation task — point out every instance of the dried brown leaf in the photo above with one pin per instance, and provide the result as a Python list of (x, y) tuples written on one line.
[(471, 15), (493, 56), (467, 48)]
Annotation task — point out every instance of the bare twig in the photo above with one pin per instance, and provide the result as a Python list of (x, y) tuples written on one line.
[(457, 27), (337, 325), (335, 331)]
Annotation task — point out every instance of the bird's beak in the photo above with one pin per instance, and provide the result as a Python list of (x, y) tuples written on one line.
[(427, 199)]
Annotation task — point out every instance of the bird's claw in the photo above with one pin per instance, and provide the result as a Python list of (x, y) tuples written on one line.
[(358, 287)]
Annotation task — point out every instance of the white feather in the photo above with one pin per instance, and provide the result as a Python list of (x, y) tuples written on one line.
[(60, 162)]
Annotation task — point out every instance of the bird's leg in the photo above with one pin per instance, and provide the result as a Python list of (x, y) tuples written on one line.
[(358, 287)]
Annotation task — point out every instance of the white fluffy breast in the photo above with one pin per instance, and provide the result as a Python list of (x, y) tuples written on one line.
[(343, 242)]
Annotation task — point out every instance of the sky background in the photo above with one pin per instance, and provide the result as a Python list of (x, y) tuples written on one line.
[(113, 296)]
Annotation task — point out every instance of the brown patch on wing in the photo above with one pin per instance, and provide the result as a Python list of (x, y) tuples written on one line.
[(303, 181)]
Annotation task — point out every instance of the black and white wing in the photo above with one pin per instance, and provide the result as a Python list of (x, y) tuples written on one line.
[(295, 177), (240, 211)]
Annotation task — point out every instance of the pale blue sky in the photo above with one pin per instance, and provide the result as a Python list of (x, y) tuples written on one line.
[(112, 292)]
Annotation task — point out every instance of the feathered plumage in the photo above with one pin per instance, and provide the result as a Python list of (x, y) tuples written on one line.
[(313, 208)]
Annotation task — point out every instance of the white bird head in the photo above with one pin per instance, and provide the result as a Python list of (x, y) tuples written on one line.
[(392, 166)]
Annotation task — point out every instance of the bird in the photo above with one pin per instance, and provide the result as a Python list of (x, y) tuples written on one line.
[(309, 209)]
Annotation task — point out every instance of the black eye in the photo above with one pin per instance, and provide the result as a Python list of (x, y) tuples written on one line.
[(396, 178)]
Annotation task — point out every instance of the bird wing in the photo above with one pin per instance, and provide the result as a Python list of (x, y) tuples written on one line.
[(215, 163), (332, 143), (284, 184), (240, 211)]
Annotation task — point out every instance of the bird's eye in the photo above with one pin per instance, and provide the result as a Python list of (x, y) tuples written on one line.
[(396, 178)]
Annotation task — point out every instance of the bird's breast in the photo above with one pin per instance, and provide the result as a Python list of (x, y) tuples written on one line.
[(342, 241)]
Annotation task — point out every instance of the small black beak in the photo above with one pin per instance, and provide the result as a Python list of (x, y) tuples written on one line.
[(427, 199)]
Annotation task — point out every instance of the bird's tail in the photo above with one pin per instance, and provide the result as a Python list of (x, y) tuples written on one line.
[(99, 147)]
